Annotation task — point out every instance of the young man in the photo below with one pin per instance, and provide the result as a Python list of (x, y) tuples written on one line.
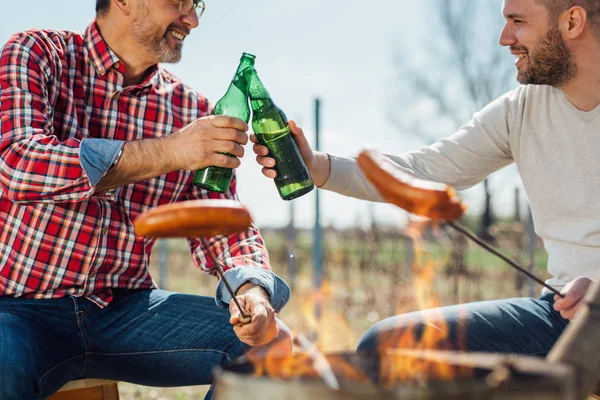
[(94, 132), (550, 128)]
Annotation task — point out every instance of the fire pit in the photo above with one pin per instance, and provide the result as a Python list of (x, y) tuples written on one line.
[(482, 376), (570, 371)]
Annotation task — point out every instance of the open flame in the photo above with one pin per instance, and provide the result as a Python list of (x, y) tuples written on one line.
[(393, 366), (432, 334)]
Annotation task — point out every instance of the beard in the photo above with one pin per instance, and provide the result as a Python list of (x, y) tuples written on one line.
[(550, 63), (151, 37)]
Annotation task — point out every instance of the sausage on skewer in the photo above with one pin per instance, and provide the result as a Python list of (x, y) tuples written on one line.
[(428, 199), (201, 219)]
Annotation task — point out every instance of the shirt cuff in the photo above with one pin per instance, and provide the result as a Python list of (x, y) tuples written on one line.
[(279, 291), (97, 156)]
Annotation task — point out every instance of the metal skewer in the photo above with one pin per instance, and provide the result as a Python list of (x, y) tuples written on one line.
[(244, 318), (489, 248), (320, 363)]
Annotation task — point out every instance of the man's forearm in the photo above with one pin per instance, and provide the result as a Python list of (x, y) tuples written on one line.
[(141, 160)]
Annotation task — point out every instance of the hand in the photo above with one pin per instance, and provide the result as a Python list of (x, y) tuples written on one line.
[(574, 292), (201, 143), (313, 160), (255, 301)]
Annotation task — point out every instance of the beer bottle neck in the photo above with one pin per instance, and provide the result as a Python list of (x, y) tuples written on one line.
[(242, 75), (257, 90)]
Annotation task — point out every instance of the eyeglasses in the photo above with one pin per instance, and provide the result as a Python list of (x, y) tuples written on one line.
[(187, 6)]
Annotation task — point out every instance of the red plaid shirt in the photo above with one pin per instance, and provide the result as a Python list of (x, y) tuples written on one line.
[(58, 237)]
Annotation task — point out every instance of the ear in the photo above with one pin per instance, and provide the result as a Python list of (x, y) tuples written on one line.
[(573, 22), (124, 6)]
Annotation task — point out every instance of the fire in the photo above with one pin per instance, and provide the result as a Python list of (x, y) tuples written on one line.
[(397, 366), (306, 359), (327, 326), (305, 362), (403, 357)]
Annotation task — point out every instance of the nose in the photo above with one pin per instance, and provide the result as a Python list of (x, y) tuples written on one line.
[(190, 19), (507, 37)]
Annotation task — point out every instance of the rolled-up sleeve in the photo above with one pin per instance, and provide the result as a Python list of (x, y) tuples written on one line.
[(98, 156), (279, 291)]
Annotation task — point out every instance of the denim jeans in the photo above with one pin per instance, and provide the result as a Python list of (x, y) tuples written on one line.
[(148, 337), (525, 326)]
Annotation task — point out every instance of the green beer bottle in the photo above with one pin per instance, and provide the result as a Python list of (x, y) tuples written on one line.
[(233, 104), (272, 130)]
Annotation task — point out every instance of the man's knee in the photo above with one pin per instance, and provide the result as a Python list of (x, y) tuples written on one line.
[(390, 332)]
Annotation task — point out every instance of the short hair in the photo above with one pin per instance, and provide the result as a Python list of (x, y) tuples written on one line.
[(102, 7), (591, 7)]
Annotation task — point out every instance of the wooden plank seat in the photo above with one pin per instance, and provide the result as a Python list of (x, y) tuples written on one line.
[(88, 389)]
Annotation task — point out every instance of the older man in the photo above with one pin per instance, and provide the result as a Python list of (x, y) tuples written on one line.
[(94, 132)]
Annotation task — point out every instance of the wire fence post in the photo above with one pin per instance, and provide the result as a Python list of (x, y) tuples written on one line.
[(317, 233), (163, 248)]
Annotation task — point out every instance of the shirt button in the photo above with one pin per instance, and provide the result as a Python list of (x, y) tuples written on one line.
[(92, 275), (105, 230), (117, 65)]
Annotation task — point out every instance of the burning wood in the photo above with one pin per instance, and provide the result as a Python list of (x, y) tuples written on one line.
[(306, 363)]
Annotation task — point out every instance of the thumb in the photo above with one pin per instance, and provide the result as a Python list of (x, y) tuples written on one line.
[(235, 311), (298, 133)]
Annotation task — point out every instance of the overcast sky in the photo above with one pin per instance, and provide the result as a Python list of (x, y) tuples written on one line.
[(340, 51)]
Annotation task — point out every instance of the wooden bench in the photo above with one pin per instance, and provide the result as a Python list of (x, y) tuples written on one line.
[(88, 389)]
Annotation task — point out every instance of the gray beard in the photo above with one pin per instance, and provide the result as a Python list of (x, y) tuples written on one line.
[(152, 40)]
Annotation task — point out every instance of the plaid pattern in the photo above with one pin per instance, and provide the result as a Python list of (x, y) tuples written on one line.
[(58, 237)]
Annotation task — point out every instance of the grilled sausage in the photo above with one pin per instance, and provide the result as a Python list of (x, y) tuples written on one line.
[(428, 199), (194, 218)]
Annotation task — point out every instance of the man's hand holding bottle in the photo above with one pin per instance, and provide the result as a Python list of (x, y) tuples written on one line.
[(201, 143), (317, 162)]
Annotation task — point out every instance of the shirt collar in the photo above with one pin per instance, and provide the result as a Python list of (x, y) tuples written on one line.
[(103, 58)]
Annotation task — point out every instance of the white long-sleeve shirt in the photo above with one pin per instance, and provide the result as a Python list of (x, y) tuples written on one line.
[(556, 148)]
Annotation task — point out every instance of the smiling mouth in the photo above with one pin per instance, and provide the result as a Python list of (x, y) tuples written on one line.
[(177, 35), (520, 58)]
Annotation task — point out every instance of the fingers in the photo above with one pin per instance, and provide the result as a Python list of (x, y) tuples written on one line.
[(223, 121), (253, 330), (269, 173), (569, 313), (225, 161), (267, 162), (231, 135), (263, 327), (260, 150), (232, 148), (574, 293), (569, 301), (262, 158)]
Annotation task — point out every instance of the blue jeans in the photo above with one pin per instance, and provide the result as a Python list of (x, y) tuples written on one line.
[(525, 326), (148, 337)]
